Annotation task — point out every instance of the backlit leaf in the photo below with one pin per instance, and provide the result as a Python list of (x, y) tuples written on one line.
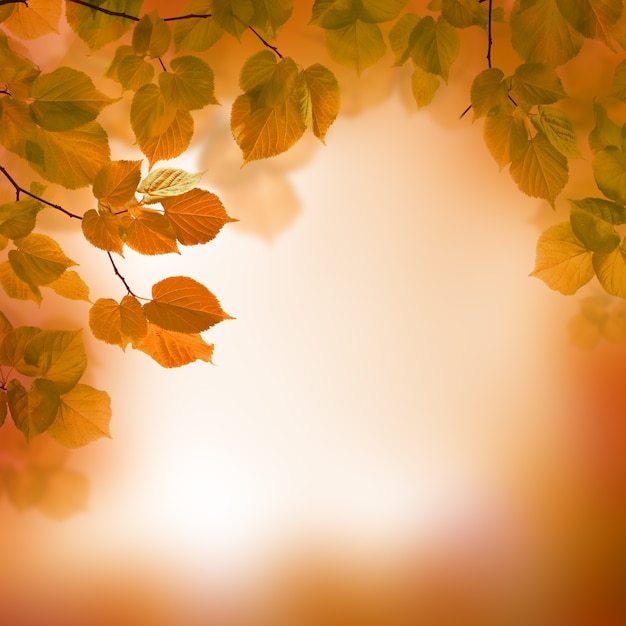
[(265, 132), (562, 262), (609, 170), (424, 85), (540, 170), (115, 183), (150, 232), (71, 286), (552, 40), (434, 46), (535, 83), (83, 416), (233, 16), (267, 82), (65, 99), (38, 259), (118, 324), (357, 45), (96, 28), (592, 223), (134, 72), (13, 347), (197, 34), (196, 216), (150, 113), (380, 10), (618, 88), (174, 140), (174, 349), (489, 90), (151, 36), (37, 18), (183, 305), (189, 85), (399, 36), (165, 182), (463, 13), (322, 97), (5, 326), (15, 287), (606, 132), (270, 15), (592, 18), (33, 411), (104, 230), (17, 129), (611, 271), (506, 136), (122, 52), (17, 219), (59, 355), (558, 129), (335, 13)]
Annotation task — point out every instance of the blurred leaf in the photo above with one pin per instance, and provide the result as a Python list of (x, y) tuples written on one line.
[(399, 36), (618, 87), (609, 170), (611, 271), (13, 347), (380, 10), (333, 14), (357, 45), (605, 132), (33, 411), (15, 287), (270, 15), (424, 85), (233, 16), (592, 18), (592, 223)]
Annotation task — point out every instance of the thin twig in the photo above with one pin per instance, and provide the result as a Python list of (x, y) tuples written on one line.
[(107, 11), (162, 65), (2, 2), (265, 43), (489, 39), (187, 17), (19, 189), (6, 92), (117, 273), (467, 110)]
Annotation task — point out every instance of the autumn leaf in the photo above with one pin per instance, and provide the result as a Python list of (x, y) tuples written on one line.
[(611, 271), (166, 182), (83, 416), (592, 18), (133, 71), (5, 326), (424, 86), (332, 14), (490, 92), (606, 132), (71, 286), (13, 347), (197, 216), (37, 18), (270, 15), (33, 411), (104, 230), (464, 13), (592, 221), (65, 99), (535, 83), (434, 46), (15, 287), (183, 305), (357, 45), (609, 170), (322, 99), (199, 34), (189, 85), (233, 17), (17, 219), (400, 36), (118, 324), (505, 135), (173, 349), (3, 406), (150, 113), (562, 262), (150, 232), (116, 182), (558, 130), (618, 87), (151, 36), (174, 140)]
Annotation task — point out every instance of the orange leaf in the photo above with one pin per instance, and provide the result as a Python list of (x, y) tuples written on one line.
[(103, 230), (115, 184), (172, 349), (183, 305), (196, 216), (173, 141), (118, 324), (150, 232)]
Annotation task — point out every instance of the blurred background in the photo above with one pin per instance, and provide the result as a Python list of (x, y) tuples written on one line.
[(396, 429)]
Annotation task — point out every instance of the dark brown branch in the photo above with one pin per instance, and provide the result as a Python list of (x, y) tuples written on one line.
[(117, 273), (107, 11), (467, 110), (2, 2), (6, 92), (187, 17), (489, 39), (265, 43), (19, 190), (162, 65)]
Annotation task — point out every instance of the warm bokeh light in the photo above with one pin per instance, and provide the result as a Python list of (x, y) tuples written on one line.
[(396, 429)]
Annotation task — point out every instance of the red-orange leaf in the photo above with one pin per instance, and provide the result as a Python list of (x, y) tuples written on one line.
[(183, 305)]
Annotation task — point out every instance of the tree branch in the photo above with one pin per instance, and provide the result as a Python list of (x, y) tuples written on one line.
[(489, 39), (2, 2), (107, 11), (117, 273), (265, 43), (188, 17), (19, 190)]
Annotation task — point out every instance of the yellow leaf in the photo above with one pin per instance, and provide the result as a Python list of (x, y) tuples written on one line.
[(59, 355), (592, 18), (65, 99), (506, 136), (198, 34), (17, 219), (270, 15), (150, 232), (609, 170), (65, 494), (150, 113), (535, 83), (540, 170), (17, 129), (83, 416), (434, 46), (267, 131), (400, 35), (174, 140), (489, 91), (380, 10), (37, 18), (611, 271), (118, 324), (151, 36), (183, 305), (5, 326), (115, 183), (13, 347), (562, 262), (332, 14), (33, 411), (173, 349), (71, 286), (357, 45), (15, 287), (104, 230), (196, 216), (189, 85), (133, 72), (233, 15), (166, 182), (424, 85), (558, 129), (38, 259), (322, 91)]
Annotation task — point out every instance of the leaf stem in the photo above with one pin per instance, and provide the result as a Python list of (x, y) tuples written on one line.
[(19, 190), (265, 43)]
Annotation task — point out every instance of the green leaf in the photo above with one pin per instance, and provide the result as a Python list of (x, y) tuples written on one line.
[(270, 15), (83, 416), (506, 135), (424, 85), (434, 46), (17, 219), (540, 170), (552, 40), (96, 28), (464, 13), (562, 262), (357, 45), (189, 85), (377, 11), (234, 16), (592, 222), (558, 129), (151, 36), (606, 132), (535, 83), (38, 259), (609, 170), (166, 182), (183, 305), (65, 99), (59, 355), (399, 36), (489, 90), (33, 411), (321, 99), (611, 271), (196, 34), (331, 14), (592, 18)]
